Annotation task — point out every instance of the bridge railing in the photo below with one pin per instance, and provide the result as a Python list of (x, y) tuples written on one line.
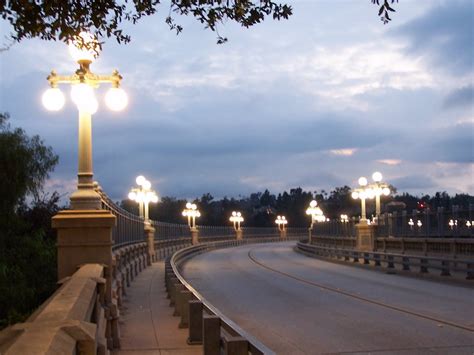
[(447, 266), (206, 324), (128, 228)]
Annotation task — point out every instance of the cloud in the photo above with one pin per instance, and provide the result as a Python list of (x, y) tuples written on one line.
[(343, 152), (390, 161), (443, 36), (461, 97)]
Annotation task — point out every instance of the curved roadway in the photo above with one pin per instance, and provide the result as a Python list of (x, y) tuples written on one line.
[(300, 305)]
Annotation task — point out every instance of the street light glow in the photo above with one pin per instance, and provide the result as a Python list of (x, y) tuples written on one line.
[(53, 99), (116, 99), (377, 176), (362, 181), (143, 195), (78, 48)]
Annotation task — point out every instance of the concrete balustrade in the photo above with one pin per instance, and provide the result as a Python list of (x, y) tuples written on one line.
[(446, 266), (206, 325)]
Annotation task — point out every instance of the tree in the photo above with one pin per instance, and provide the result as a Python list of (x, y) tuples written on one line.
[(25, 163), (64, 20), (27, 243)]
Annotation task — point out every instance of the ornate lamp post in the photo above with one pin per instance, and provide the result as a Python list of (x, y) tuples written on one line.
[(236, 219), (83, 83), (362, 193), (191, 212), (316, 214), (281, 222), (379, 188), (143, 195)]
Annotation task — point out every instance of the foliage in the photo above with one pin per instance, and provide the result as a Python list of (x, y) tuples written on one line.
[(64, 20), (27, 243), (384, 9), (25, 163)]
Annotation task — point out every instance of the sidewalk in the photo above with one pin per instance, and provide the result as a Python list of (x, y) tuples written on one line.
[(146, 322)]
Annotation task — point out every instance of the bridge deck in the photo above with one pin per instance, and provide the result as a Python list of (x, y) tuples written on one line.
[(297, 305), (147, 325)]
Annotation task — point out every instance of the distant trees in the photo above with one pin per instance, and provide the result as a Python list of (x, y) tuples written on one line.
[(27, 243), (261, 208)]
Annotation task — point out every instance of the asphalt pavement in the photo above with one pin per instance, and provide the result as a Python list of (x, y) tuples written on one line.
[(300, 305)]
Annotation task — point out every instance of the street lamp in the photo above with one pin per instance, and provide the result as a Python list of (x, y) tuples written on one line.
[(379, 188), (84, 50), (236, 218), (362, 193), (191, 212), (281, 221), (316, 213), (143, 195), (344, 218)]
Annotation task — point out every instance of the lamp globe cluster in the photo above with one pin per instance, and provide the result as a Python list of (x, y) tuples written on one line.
[(84, 50)]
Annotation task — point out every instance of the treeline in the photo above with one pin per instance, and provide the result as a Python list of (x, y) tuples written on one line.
[(27, 242), (261, 208)]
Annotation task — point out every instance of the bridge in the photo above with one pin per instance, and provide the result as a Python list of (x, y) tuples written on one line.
[(337, 288), (130, 285)]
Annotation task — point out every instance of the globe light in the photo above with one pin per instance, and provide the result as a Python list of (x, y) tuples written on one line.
[(132, 196), (116, 99), (193, 206), (377, 176), (53, 99), (313, 203), (234, 213), (83, 96), (355, 195), (78, 50), (386, 191), (154, 198), (362, 181), (188, 205), (239, 214), (140, 180)]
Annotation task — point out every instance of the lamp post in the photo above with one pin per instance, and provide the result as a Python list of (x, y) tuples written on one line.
[(191, 212), (83, 81), (379, 188), (362, 193), (236, 219), (316, 214), (281, 222), (143, 195)]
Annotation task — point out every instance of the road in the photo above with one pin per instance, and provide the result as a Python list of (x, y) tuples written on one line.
[(300, 305)]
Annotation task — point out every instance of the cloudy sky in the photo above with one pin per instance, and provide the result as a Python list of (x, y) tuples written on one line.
[(316, 101)]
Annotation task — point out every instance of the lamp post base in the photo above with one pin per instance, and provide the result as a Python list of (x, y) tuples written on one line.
[(365, 237), (194, 236), (239, 234), (85, 199)]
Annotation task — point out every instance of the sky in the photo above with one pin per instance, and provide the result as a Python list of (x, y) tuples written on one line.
[(316, 101)]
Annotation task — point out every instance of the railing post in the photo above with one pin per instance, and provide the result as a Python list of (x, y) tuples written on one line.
[(150, 241), (195, 322), (211, 335)]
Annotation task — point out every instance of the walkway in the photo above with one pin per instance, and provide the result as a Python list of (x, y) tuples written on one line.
[(300, 305), (146, 323)]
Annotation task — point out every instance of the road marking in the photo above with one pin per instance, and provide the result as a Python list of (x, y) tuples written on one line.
[(360, 298)]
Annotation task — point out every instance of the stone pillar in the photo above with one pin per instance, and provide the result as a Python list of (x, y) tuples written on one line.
[(150, 241), (365, 237), (194, 235), (239, 234), (84, 236)]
